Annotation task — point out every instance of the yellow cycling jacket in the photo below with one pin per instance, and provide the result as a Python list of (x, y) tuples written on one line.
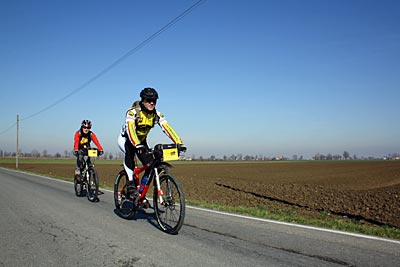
[(138, 126)]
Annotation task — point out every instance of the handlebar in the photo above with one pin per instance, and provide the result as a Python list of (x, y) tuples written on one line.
[(181, 148)]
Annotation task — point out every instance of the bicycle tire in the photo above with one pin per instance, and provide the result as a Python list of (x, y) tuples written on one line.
[(123, 204), (92, 185), (78, 186), (171, 213)]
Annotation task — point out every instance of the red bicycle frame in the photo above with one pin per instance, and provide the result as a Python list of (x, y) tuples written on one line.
[(136, 172)]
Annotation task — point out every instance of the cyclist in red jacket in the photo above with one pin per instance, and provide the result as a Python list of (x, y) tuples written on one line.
[(82, 139)]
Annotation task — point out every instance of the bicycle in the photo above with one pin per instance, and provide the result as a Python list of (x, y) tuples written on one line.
[(168, 196), (87, 182)]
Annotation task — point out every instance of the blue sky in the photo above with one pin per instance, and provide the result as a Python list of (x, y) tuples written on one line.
[(252, 77)]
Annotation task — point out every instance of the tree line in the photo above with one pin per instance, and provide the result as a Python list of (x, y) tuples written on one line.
[(44, 154), (234, 157)]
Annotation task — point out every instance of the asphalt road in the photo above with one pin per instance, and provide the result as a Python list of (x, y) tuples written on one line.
[(43, 223)]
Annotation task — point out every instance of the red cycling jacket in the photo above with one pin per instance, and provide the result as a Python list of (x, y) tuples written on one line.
[(82, 141)]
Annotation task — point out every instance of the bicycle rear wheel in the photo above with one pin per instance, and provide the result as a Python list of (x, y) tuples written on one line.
[(123, 204), (78, 186), (171, 212), (92, 185)]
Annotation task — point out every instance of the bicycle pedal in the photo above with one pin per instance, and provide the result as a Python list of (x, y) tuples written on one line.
[(145, 204), (132, 192), (133, 197)]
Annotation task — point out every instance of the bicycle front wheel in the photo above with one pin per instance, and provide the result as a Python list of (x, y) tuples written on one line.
[(123, 204), (170, 213), (93, 185)]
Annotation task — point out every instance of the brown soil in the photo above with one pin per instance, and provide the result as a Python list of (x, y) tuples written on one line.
[(366, 191)]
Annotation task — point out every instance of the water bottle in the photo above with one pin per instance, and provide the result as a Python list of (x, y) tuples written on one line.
[(143, 183)]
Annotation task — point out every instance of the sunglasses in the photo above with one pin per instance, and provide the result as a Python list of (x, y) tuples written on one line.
[(151, 100), (85, 127)]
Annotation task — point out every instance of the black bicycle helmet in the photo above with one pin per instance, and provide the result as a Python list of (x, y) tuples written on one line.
[(149, 93), (86, 123)]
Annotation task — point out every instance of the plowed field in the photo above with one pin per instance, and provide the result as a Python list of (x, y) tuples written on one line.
[(368, 191)]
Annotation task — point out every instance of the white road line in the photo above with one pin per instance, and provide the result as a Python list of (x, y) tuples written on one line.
[(297, 225)]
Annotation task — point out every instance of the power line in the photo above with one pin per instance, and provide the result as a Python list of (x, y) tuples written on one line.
[(9, 128), (116, 62), (119, 60)]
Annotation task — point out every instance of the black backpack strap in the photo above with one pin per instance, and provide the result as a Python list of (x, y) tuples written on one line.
[(136, 105)]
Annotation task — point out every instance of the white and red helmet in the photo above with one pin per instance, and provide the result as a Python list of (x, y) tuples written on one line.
[(86, 124)]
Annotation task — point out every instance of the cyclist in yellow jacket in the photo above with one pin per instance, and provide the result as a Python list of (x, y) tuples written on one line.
[(139, 120)]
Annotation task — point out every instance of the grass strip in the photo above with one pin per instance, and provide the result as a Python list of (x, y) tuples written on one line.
[(320, 219)]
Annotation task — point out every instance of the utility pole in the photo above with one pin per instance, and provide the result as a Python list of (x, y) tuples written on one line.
[(16, 154)]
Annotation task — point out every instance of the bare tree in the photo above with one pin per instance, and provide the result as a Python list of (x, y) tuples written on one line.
[(35, 153)]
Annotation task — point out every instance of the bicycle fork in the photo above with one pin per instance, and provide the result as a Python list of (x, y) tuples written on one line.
[(85, 177), (160, 193)]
